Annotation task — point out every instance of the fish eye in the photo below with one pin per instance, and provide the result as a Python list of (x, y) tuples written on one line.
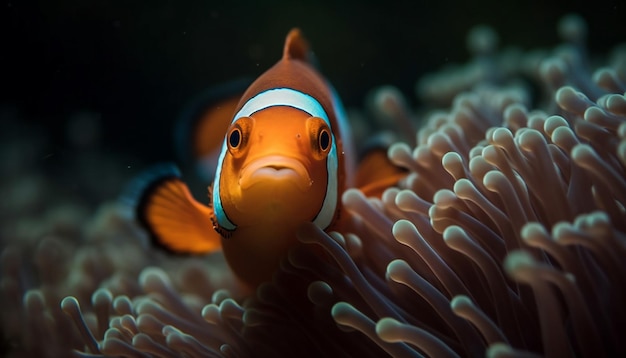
[(320, 137), (324, 139), (237, 136), (234, 138)]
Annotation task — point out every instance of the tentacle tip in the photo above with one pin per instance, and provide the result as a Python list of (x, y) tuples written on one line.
[(102, 296), (402, 229), (386, 329), (533, 230), (152, 277), (517, 261), (211, 313), (499, 350), (582, 152), (352, 197), (453, 232), (460, 301), (396, 269), (319, 292), (493, 179), (444, 198), (343, 313), (70, 304)]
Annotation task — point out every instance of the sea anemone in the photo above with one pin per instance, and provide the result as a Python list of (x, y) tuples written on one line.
[(507, 239)]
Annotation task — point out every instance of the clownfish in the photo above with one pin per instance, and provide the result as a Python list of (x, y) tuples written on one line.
[(282, 155)]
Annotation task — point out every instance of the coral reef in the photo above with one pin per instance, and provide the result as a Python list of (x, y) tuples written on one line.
[(507, 239)]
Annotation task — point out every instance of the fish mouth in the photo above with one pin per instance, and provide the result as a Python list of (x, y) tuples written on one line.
[(275, 168)]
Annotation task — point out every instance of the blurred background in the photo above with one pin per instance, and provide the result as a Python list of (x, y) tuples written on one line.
[(130, 66)]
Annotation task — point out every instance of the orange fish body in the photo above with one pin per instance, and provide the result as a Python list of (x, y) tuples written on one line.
[(285, 159), (282, 163)]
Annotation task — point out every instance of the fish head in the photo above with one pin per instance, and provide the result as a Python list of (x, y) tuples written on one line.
[(276, 168)]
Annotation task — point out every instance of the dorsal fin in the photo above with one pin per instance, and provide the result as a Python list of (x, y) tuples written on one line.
[(296, 46)]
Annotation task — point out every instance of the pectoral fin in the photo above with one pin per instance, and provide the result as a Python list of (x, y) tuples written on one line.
[(174, 219), (377, 173)]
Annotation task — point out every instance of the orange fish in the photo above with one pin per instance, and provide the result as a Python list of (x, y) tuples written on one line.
[(285, 159)]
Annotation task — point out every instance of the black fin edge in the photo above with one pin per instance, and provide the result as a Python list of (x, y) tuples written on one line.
[(137, 192), (378, 142), (192, 111)]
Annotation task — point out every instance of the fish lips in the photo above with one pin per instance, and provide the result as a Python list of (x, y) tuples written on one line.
[(275, 168)]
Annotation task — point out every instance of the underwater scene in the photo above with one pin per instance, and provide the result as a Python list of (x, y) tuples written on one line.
[(464, 180)]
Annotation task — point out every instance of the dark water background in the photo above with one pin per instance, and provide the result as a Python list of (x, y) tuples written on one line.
[(133, 64)]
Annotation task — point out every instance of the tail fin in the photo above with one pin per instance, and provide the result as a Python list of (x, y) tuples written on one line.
[(166, 209)]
